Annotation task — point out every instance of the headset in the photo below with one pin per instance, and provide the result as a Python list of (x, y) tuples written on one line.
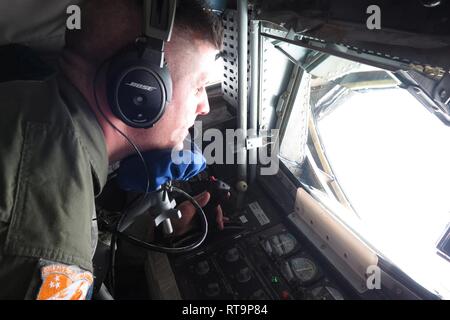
[(138, 82), (139, 87)]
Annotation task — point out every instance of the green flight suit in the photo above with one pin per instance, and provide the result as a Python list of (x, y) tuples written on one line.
[(53, 162)]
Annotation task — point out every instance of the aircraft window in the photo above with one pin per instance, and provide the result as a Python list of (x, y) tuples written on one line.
[(374, 150)]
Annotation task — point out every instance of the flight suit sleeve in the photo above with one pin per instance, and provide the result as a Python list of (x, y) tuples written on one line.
[(47, 194)]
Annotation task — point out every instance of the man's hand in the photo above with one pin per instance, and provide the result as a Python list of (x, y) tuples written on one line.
[(183, 225)]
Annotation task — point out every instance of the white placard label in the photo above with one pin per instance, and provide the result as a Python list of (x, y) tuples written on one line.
[(259, 213)]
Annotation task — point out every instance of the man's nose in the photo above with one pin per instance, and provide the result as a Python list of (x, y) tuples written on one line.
[(203, 106)]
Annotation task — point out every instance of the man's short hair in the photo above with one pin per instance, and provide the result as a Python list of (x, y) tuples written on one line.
[(107, 26), (195, 15)]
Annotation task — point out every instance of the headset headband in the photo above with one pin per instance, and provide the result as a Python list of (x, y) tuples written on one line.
[(159, 17)]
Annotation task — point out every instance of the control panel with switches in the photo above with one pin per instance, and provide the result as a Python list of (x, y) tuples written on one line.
[(270, 264)]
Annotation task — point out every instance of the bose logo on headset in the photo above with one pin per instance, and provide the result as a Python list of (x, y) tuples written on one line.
[(139, 86)]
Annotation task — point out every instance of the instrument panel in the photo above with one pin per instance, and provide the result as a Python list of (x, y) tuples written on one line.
[(263, 261)]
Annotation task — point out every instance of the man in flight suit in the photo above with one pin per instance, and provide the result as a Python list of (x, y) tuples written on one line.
[(55, 144)]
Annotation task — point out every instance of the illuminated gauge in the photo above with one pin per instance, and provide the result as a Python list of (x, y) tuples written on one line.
[(304, 269), (326, 293), (283, 243)]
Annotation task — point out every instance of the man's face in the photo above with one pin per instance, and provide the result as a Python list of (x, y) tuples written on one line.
[(190, 70)]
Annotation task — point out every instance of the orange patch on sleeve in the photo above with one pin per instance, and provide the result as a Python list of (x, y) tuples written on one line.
[(61, 282)]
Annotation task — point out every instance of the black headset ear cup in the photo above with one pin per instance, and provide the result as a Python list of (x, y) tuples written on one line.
[(137, 89)]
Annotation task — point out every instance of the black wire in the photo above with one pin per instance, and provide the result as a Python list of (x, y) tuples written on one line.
[(116, 232), (112, 267), (195, 235), (136, 149), (158, 248), (114, 238)]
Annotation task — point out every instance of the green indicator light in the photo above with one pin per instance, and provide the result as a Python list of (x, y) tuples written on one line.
[(275, 279)]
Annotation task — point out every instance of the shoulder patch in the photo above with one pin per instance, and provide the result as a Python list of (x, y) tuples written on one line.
[(62, 282)]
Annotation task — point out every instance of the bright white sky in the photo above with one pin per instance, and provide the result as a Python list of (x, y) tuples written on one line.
[(392, 159)]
